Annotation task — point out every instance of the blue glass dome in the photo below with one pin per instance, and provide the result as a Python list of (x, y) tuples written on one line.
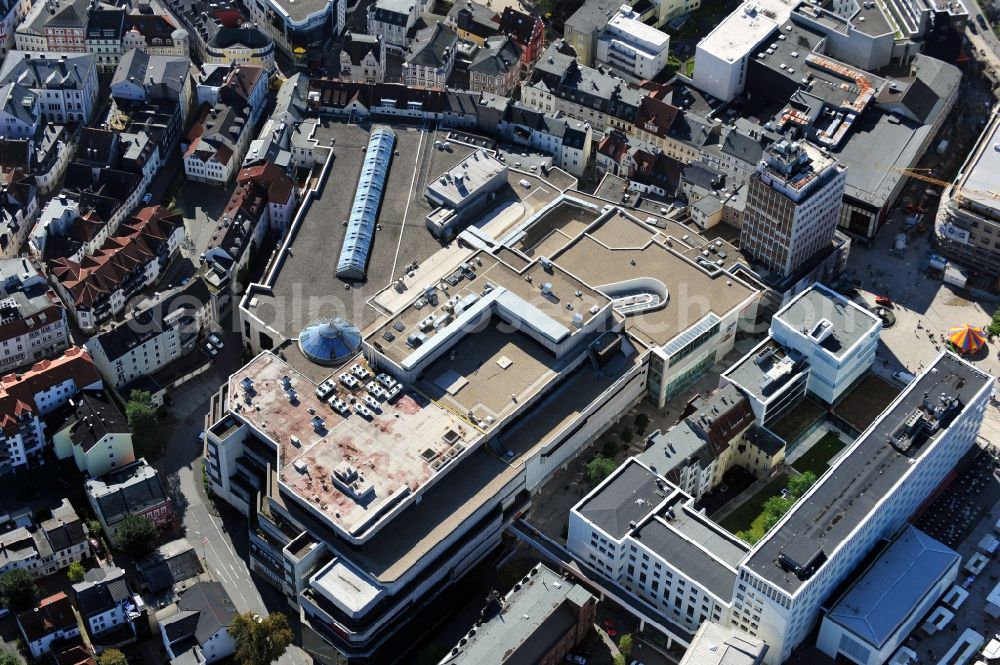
[(329, 341)]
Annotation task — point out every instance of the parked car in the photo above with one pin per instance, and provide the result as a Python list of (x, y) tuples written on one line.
[(903, 377), (211, 350), (883, 300), (574, 658), (147, 197), (214, 340), (168, 400)]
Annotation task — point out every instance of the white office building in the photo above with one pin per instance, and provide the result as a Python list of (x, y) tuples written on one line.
[(631, 46), (644, 533), (721, 58), (866, 496)]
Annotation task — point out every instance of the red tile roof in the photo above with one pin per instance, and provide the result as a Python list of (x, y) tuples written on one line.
[(271, 179), (52, 613), (136, 244), (17, 391)]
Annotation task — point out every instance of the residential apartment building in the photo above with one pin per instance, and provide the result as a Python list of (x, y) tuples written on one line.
[(105, 27), (155, 34), (153, 335), (141, 77), (48, 624), (793, 206), (47, 548), (12, 13), (473, 22), (245, 45), (243, 87), (133, 489), (66, 85), (632, 47), (527, 31), (430, 57), (199, 631), (559, 84), (362, 58), (568, 141), (495, 66), (215, 145), (93, 431), (59, 26), (33, 323), (393, 21), (98, 286), (108, 607), (28, 397)]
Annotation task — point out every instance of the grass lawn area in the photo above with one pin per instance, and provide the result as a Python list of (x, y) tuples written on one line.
[(817, 458), (798, 420), (750, 514), (866, 401)]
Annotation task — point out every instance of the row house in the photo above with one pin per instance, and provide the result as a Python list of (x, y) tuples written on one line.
[(234, 85), (92, 206), (284, 135), (49, 624), (105, 26), (527, 31), (54, 25), (141, 79), (98, 286), (495, 66), (215, 145), (244, 226), (12, 13), (559, 84), (29, 146), (647, 168), (473, 22), (430, 58), (134, 489), (394, 21), (362, 58), (27, 397), (65, 84), (18, 213), (108, 607), (155, 34), (568, 141), (47, 548), (199, 630), (33, 322), (152, 337), (360, 101)]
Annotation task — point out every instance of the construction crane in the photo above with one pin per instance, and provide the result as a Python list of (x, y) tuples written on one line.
[(915, 173)]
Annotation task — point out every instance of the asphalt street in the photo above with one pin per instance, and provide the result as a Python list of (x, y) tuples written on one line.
[(218, 534)]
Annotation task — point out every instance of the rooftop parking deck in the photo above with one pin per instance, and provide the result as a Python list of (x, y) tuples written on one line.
[(353, 469)]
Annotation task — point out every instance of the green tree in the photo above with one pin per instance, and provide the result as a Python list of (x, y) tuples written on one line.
[(625, 645), (599, 468), (260, 640), (10, 658), (619, 660), (141, 414), (76, 572), (799, 485), (994, 327), (628, 435), (95, 528), (137, 535), (18, 590), (641, 423), (774, 509), (610, 449), (112, 657)]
